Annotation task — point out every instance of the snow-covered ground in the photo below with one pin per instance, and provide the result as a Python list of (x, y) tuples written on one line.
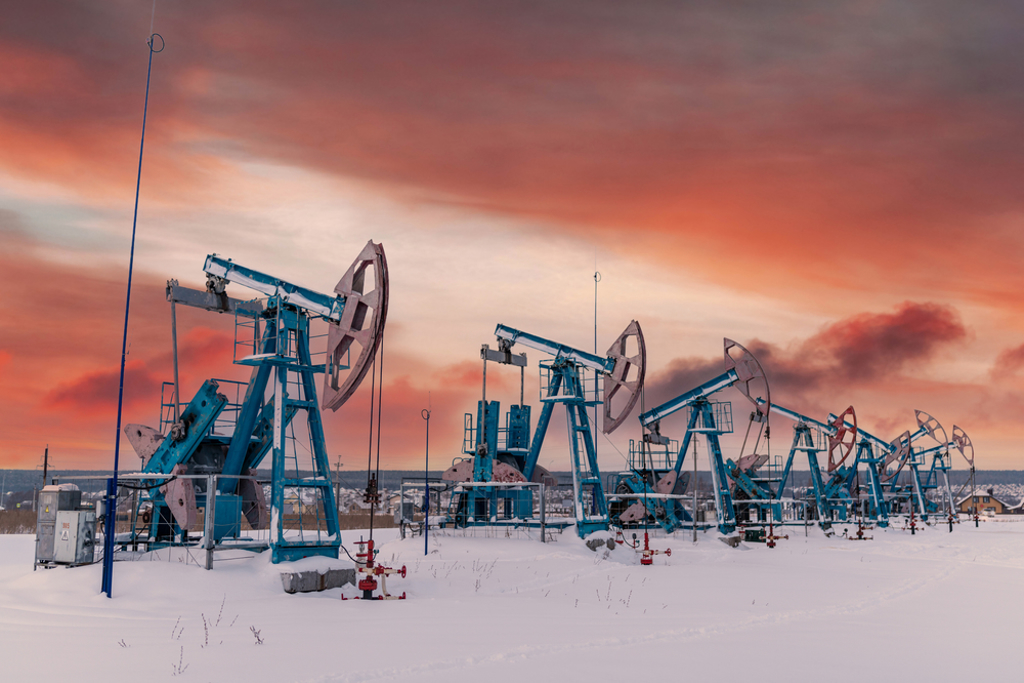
[(936, 606)]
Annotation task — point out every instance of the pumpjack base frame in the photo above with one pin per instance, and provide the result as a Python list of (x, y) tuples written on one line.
[(292, 553)]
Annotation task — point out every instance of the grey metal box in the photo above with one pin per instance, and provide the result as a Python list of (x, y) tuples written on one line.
[(75, 537), (44, 542), (53, 498)]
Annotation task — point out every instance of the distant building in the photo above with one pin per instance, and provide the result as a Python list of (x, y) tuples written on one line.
[(983, 502)]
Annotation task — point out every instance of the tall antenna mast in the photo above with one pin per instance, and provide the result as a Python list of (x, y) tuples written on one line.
[(108, 531)]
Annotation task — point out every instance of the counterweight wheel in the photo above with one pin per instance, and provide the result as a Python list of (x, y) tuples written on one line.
[(899, 454), (964, 445), (619, 379), (362, 323), (844, 439), (932, 426), (752, 381)]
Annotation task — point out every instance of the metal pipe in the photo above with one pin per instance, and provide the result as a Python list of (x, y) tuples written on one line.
[(543, 534), (211, 511), (522, 385), (425, 414), (695, 489), (174, 355)]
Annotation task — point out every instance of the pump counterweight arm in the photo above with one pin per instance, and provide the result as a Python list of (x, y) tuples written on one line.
[(589, 360), (866, 436), (621, 372), (723, 381), (355, 314), (330, 307), (743, 371), (842, 436)]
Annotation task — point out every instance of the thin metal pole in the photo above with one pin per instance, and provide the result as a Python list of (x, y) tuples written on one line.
[(597, 278), (483, 395), (174, 349), (695, 488), (337, 486), (522, 386), (543, 514), (108, 541), (425, 414), (210, 518)]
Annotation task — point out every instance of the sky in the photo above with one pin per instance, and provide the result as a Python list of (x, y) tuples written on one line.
[(834, 186)]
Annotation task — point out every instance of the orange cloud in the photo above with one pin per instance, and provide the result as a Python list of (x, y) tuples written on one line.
[(95, 393), (806, 171)]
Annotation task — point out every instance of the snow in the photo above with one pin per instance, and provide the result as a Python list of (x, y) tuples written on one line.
[(488, 607)]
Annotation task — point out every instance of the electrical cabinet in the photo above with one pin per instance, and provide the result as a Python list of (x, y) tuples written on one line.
[(75, 537), (65, 533)]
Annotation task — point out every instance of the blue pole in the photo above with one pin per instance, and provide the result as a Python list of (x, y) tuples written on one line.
[(425, 414), (110, 529), (108, 536)]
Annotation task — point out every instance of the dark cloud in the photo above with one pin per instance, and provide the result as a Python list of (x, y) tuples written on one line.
[(682, 374), (869, 346), (868, 350)]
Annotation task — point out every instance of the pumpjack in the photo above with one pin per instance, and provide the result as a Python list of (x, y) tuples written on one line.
[(509, 455), (964, 444), (936, 477), (658, 489), (831, 499), (882, 460), (213, 435), (913, 495)]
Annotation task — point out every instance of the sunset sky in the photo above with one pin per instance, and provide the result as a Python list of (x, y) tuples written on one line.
[(836, 186)]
